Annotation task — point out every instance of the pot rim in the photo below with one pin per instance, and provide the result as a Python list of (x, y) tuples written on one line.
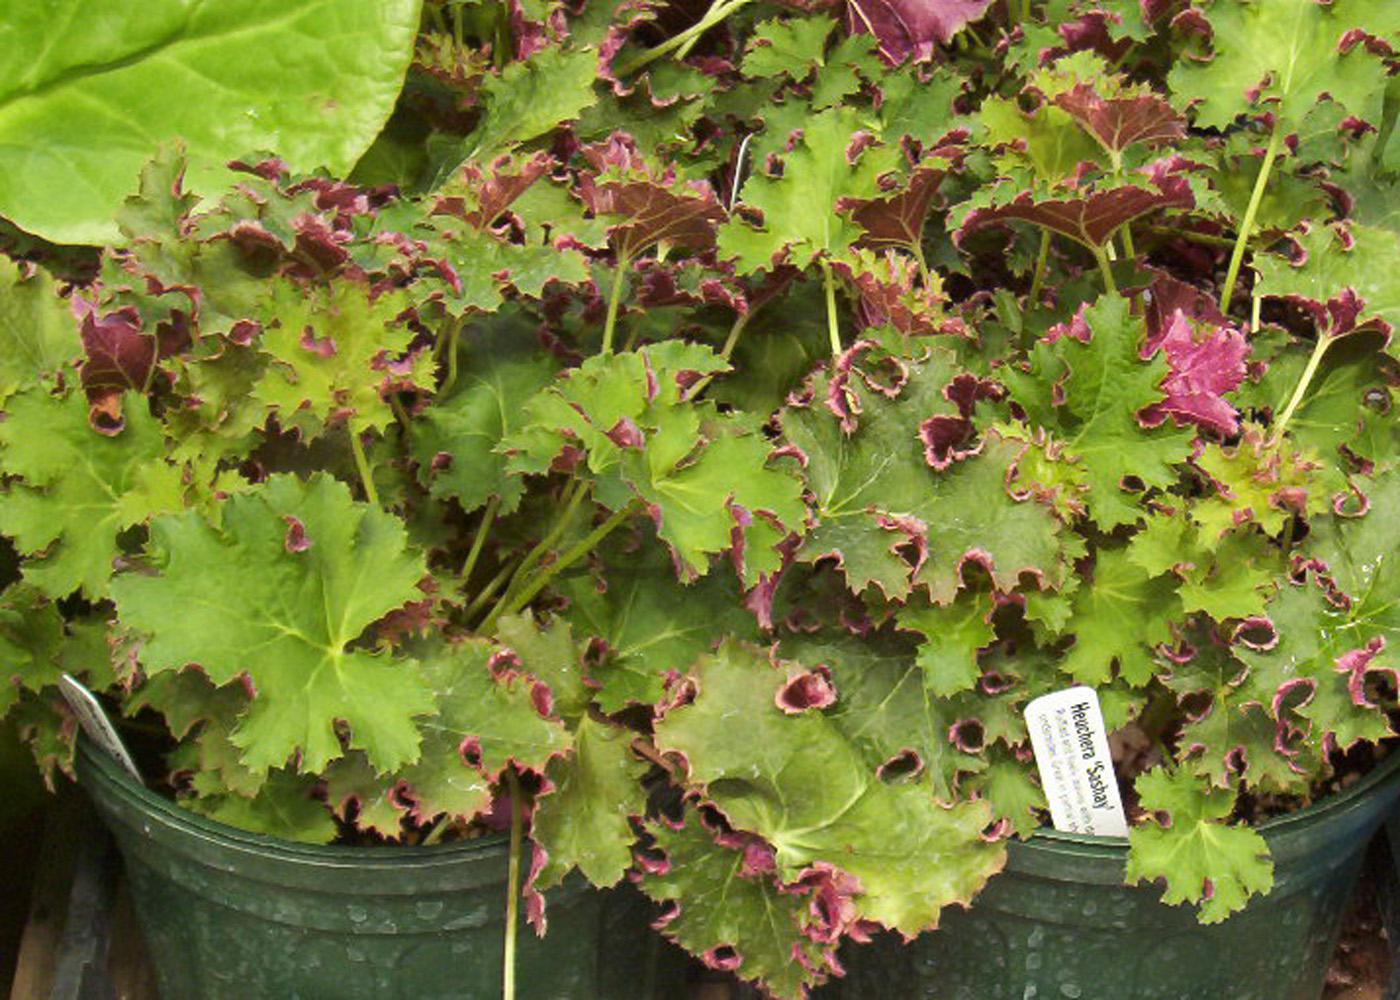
[(1082, 844), (102, 770)]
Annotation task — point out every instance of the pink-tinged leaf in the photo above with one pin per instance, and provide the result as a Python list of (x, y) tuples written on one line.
[(120, 354), (487, 192), (1092, 217), (1119, 122), (897, 219), (893, 293), (1204, 366), (907, 28), (654, 205)]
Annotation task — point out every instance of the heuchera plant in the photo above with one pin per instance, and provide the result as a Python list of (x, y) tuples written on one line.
[(692, 437)]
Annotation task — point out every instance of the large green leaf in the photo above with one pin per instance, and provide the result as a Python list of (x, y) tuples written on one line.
[(1283, 56), (79, 489), (797, 781), (37, 333), (89, 90), (1201, 858), (279, 593)]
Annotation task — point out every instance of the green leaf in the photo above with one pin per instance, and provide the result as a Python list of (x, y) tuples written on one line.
[(1366, 261), (953, 635), (1119, 617), (353, 781), (37, 333), (644, 439), (482, 725), (1283, 56), (549, 655), (649, 622), (99, 89), (79, 489), (723, 905), (455, 440), (31, 635), (799, 783), (800, 218), (285, 808), (794, 47), (877, 497), (529, 98), (330, 348), (280, 593), (586, 821), (1202, 859), (1104, 383)]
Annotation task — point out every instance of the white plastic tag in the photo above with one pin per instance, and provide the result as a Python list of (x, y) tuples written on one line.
[(1071, 750), (95, 722)]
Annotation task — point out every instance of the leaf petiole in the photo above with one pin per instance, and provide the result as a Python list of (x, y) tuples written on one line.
[(1106, 269), (1042, 260), (719, 10), (614, 301), (1256, 198), (512, 888), (357, 448), (1299, 391), (833, 327), (479, 540)]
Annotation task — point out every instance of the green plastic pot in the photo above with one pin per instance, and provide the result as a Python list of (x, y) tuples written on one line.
[(231, 915), (1058, 923)]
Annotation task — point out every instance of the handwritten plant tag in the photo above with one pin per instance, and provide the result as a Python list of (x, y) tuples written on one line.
[(95, 722), (1071, 750)]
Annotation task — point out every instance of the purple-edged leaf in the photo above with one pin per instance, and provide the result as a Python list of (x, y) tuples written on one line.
[(897, 219), (1345, 278), (908, 28), (652, 206), (798, 782), (585, 821), (1261, 482), (724, 905), (886, 513), (359, 794), (1121, 121), (1090, 218), (1201, 858)]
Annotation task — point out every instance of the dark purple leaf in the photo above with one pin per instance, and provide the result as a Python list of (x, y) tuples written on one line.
[(907, 28)]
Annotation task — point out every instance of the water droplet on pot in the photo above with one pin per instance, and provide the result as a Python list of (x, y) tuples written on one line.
[(1071, 991), (357, 913), (428, 909)]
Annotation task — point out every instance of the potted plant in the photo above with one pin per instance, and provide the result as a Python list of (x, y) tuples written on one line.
[(691, 442)]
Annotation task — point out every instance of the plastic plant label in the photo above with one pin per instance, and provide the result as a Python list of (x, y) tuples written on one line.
[(95, 722), (1071, 751)]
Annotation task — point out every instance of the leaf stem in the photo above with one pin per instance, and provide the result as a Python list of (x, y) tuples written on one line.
[(357, 448), (517, 822), (587, 545), (573, 496), (488, 517), (479, 601), (1256, 198), (719, 10), (1299, 391), (1195, 237), (1042, 261), (1129, 251), (1106, 269), (614, 300), (833, 327)]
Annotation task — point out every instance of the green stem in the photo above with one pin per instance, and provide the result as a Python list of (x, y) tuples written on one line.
[(1106, 269), (1042, 261), (718, 11), (1129, 251), (1256, 308), (1025, 11), (517, 817), (1195, 237), (488, 591), (833, 327), (362, 464), (918, 250), (1319, 349), (587, 545), (614, 300), (451, 348), (479, 541), (1261, 184), (573, 496)]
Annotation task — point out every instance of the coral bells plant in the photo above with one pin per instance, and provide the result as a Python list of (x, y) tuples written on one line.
[(690, 439)]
